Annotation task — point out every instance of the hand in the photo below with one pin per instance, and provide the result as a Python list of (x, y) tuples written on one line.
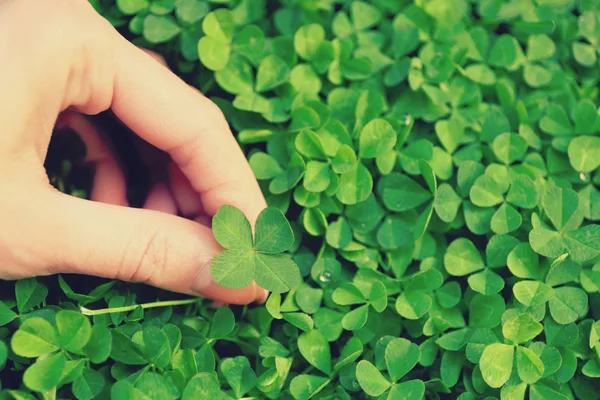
[(61, 58)]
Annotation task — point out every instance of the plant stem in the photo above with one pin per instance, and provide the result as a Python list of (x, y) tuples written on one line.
[(170, 303)]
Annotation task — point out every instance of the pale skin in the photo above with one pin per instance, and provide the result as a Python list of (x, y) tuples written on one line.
[(61, 61)]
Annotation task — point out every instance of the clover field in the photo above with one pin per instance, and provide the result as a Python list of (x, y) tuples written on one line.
[(438, 163)]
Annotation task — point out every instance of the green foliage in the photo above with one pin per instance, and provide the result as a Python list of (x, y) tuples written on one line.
[(431, 170)]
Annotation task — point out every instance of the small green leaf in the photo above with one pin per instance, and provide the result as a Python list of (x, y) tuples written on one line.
[(568, 304), (355, 186), (29, 294), (304, 117), (345, 159), (584, 153), (563, 270), (522, 328), (44, 375), (583, 244), (584, 54), (505, 53), (6, 314), (272, 72), (348, 294), (191, 11), (273, 232), (234, 268), (401, 193), (249, 42), (202, 386), (239, 374), (350, 352), (376, 138), (413, 305), (276, 273), (409, 390), (401, 356), (447, 203), (3, 355), (307, 40), (364, 15), (213, 53), (237, 76), (523, 193), (556, 122), (506, 219), (304, 387), (485, 192), (300, 320), (540, 47), (99, 346), (315, 349), (509, 147), (356, 318), (264, 166), (88, 385), (486, 282), (523, 262), (74, 331), (480, 73), (532, 293), (309, 144), (339, 234), (35, 338), (378, 297), (219, 24), (317, 177), (370, 379), (154, 345), (496, 364), (462, 258), (529, 366), (160, 28), (222, 323), (393, 233), (131, 7), (451, 133)]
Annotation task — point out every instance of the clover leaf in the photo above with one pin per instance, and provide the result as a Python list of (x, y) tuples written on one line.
[(255, 257)]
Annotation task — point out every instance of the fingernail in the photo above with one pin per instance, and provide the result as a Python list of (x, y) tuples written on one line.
[(203, 279), (262, 295)]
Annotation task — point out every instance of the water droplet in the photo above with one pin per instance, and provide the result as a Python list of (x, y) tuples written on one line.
[(325, 277), (583, 177), (355, 384), (407, 119)]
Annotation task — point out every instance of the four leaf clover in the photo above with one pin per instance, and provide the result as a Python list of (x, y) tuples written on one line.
[(254, 256)]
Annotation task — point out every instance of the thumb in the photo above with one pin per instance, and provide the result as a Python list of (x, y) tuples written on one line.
[(136, 245)]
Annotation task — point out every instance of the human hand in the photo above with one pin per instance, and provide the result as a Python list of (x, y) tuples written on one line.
[(67, 60)]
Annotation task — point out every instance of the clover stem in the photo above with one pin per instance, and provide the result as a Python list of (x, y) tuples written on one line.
[(321, 250), (169, 303)]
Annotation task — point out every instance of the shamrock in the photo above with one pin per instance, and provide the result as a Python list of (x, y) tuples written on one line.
[(254, 257)]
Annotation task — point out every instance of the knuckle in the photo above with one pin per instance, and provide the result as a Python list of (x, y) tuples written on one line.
[(151, 261), (217, 115)]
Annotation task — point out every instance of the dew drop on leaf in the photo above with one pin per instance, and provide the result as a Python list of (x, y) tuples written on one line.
[(325, 277)]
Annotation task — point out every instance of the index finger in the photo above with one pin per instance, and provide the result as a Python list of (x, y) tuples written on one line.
[(169, 114)]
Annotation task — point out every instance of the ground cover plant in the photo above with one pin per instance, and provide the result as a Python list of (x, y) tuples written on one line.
[(431, 169)]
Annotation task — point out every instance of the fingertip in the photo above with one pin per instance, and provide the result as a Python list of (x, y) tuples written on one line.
[(160, 199), (262, 295)]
